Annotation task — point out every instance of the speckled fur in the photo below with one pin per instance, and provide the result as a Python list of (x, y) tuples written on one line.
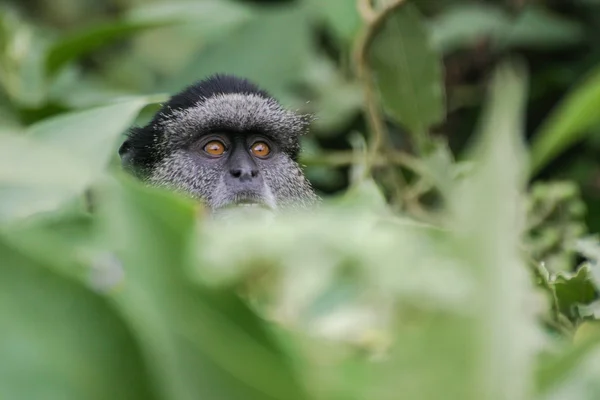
[(161, 153)]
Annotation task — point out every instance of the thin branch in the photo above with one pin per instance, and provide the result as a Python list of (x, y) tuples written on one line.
[(346, 158), (372, 107)]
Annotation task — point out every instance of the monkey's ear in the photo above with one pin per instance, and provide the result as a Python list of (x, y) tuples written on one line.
[(126, 152)]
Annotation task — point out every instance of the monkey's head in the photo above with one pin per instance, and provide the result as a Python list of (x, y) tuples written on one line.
[(225, 142)]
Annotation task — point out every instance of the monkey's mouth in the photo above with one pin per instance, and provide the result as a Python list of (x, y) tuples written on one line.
[(248, 201)]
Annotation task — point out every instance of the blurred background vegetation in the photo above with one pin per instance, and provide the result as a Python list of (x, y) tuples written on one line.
[(418, 97), (69, 54)]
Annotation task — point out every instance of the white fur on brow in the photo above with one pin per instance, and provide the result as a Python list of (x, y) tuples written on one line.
[(238, 112)]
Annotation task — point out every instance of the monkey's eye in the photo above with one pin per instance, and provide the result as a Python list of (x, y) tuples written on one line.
[(214, 148), (260, 149)]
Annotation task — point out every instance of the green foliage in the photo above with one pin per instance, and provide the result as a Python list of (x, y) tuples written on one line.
[(407, 71), (554, 224), (61, 340), (448, 272), (571, 121), (466, 24)]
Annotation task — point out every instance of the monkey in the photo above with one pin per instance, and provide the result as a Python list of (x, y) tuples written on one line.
[(225, 142)]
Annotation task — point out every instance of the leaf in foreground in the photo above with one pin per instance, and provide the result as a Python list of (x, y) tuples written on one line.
[(90, 135), (488, 211), (59, 340), (200, 343), (58, 158), (35, 177)]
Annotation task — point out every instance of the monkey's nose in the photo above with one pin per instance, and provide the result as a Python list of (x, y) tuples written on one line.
[(244, 173)]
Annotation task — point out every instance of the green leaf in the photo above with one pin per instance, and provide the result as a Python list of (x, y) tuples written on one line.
[(487, 220), (212, 15), (58, 158), (201, 343), (407, 71), (35, 177), (568, 123), (59, 340), (573, 289), (90, 135)]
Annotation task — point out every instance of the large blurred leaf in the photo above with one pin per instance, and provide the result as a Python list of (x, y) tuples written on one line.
[(198, 343), (90, 135), (484, 349), (211, 15), (568, 123), (60, 341), (59, 157), (36, 177), (488, 223), (407, 71)]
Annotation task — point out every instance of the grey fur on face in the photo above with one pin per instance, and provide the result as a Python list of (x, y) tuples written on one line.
[(286, 186), (239, 112)]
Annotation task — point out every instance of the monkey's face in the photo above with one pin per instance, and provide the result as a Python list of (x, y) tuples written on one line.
[(226, 142), (229, 170)]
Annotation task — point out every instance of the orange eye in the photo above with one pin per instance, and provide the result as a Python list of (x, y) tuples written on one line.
[(214, 148), (260, 149)]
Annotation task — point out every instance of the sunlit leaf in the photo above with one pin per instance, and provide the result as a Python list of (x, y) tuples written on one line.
[(407, 71)]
